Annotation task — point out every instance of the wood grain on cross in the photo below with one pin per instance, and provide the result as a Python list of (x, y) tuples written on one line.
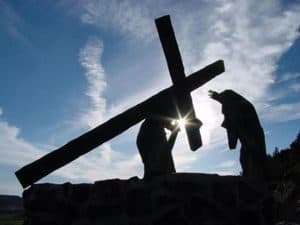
[(161, 103)]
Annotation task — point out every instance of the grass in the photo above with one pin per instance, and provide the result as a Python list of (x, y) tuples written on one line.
[(11, 222)]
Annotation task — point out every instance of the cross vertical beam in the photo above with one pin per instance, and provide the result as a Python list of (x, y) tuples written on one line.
[(182, 95)]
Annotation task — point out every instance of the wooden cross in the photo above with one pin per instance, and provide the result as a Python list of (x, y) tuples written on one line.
[(164, 103)]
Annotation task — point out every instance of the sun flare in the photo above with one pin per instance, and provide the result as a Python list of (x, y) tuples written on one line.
[(180, 122)]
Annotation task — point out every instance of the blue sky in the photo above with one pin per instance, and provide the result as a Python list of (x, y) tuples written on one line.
[(67, 66)]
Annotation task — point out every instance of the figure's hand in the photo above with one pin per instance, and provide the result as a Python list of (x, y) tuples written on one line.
[(213, 94), (171, 125), (175, 128)]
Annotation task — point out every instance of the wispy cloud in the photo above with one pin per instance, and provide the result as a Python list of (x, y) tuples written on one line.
[(90, 59), (288, 77), (103, 162), (283, 112), (14, 149), (123, 16), (15, 152), (12, 23), (295, 87), (235, 35)]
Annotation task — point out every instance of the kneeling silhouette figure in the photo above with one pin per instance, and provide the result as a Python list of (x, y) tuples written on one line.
[(154, 147)]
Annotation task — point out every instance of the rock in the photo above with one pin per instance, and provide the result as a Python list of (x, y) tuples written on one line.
[(172, 199)]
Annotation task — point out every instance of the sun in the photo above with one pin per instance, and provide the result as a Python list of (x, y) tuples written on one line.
[(181, 123)]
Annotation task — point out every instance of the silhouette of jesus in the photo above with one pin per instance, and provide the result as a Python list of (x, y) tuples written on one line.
[(154, 147)]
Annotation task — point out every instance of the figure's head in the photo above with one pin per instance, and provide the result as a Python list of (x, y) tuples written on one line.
[(227, 97), (228, 100)]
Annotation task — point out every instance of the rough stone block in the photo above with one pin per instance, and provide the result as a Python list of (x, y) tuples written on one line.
[(173, 199)]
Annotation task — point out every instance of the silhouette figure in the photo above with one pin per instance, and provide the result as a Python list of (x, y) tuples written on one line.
[(241, 122), (154, 147)]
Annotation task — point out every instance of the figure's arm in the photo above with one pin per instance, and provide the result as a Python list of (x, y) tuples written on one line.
[(232, 137), (229, 118), (172, 138), (214, 95)]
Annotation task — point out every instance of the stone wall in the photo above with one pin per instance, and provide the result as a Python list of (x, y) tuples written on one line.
[(173, 199)]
